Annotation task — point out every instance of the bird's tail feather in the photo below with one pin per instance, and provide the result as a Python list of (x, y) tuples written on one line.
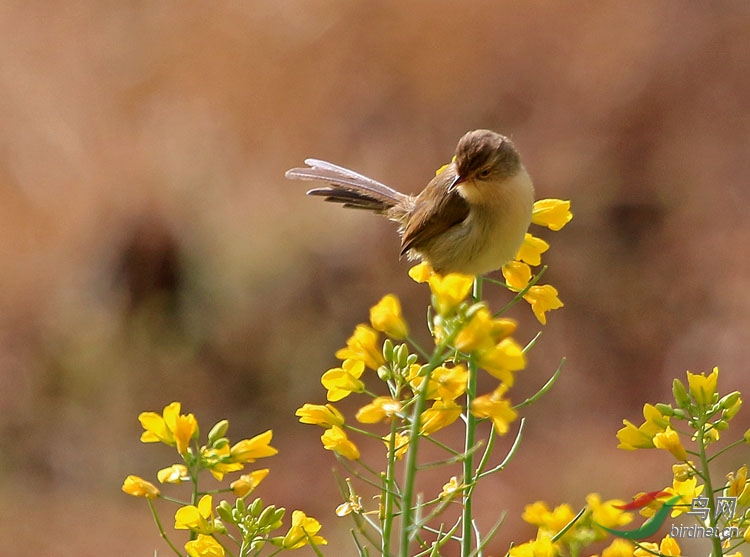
[(347, 187)]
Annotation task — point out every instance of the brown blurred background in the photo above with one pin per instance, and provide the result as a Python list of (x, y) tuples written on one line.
[(151, 250)]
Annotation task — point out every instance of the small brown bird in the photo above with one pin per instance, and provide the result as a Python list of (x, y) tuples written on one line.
[(471, 218)]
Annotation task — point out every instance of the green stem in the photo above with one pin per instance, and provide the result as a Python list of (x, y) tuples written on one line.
[(162, 533), (715, 541), (389, 492), (468, 461), (407, 512)]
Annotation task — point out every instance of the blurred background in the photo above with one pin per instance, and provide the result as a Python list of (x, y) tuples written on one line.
[(151, 249)]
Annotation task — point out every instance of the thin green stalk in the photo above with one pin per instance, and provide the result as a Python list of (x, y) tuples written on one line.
[(545, 388), (162, 533), (509, 456), (519, 296), (468, 462), (727, 448), (712, 519), (467, 516), (388, 493), (410, 471)]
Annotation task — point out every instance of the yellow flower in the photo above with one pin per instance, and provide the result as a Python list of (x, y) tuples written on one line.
[(171, 428), (541, 547), (632, 437), (619, 548), (304, 531), (400, 444), (378, 410), (138, 487), (646, 548), (531, 250), (413, 377), (335, 439), (363, 346), (495, 407), (712, 435), (185, 429), (449, 291), (744, 497), (670, 441), (702, 387), (731, 406), (318, 414), (175, 474), (503, 359), (204, 546), (683, 470), (451, 489), (668, 547), (542, 299), (483, 332), (447, 383), (344, 380), (421, 272), (219, 461), (198, 519), (605, 514), (248, 450), (549, 522), (248, 482), (552, 213), (385, 316), (535, 513), (517, 275), (442, 414), (688, 490), (736, 482)]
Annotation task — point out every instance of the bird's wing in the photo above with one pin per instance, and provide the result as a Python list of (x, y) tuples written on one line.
[(436, 210)]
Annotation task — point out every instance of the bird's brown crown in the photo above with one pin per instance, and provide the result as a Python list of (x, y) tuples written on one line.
[(484, 154)]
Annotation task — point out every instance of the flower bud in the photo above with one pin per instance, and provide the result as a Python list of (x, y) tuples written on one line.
[(402, 354), (731, 404), (266, 517), (388, 349), (680, 394), (256, 507), (384, 373), (224, 510), (217, 432), (664, 409)]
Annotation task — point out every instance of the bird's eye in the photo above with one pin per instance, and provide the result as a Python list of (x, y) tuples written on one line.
[(484, 173)]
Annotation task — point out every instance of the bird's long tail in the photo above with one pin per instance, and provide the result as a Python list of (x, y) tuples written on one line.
[(347, 187)]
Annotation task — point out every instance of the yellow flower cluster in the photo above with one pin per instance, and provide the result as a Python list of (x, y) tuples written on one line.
[(708, 414), (553, 214), (699, 400), (469, 330), (218, 457), (585, 530)]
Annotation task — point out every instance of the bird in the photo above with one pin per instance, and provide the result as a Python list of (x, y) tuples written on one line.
[(471, 218)]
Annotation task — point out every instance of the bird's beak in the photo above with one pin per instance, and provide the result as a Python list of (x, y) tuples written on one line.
[(454, 184)]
